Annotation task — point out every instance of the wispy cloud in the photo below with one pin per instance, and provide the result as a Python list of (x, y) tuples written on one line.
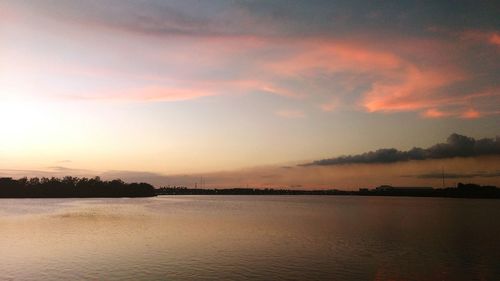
[(481, 37), (181, 53), (331, 105), (290, 113), (434, 113)]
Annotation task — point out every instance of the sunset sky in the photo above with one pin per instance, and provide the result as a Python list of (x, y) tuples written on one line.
[(249, 92)]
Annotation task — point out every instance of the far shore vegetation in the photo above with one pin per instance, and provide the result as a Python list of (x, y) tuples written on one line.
[(460, 191), (74, 187), (69, 187)]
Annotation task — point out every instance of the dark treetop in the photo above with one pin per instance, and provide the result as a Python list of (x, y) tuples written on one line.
[(72, 187)]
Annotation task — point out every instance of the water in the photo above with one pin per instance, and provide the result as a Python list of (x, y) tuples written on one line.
[(250, 238)]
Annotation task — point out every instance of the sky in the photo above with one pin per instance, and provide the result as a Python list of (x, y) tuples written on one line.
[(251, 93)]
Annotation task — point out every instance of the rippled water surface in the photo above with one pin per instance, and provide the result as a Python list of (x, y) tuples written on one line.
[(250, 238)]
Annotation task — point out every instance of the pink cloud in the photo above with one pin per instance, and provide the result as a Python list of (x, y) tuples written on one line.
[(190, 91), (330, 56), (396, 75), (6, 14), (461, 106), (415, 90), (290, 113), (157, 93), (435, 113), (495, 39), (398, 83), (480, 36), (330, 105), (470, 114)]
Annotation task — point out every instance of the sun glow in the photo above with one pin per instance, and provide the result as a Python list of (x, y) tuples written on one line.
[(20, 119), (29, 126)]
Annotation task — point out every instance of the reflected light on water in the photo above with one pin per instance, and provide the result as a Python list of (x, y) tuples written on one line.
[(249, 238)]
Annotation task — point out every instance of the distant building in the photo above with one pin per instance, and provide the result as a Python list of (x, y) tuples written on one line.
[(403, 188)]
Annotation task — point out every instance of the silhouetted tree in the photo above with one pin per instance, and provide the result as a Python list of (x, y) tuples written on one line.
[(72, 187)]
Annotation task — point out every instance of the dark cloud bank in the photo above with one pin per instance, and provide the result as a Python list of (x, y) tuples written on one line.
[(455, 146)]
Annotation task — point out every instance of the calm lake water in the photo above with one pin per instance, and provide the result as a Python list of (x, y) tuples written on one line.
[(250, 238)]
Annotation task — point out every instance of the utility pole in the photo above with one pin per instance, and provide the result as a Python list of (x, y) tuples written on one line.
[(442, 172)]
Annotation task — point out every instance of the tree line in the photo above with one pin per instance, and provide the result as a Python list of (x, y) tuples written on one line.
[(468, 190), (68, 187)]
